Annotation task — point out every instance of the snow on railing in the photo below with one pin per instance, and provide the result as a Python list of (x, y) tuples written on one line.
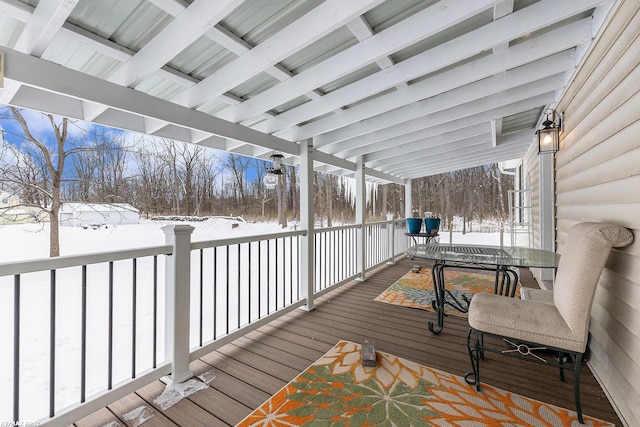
[(94, 328)]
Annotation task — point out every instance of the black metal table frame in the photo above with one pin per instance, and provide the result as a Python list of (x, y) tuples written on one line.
[(506, 283)]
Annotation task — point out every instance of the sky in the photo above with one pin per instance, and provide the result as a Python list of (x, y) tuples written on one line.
[(40, 127)]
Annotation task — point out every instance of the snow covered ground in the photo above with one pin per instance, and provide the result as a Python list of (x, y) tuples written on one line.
[(31, 241)]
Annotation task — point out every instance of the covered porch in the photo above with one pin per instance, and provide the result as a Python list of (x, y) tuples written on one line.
[(252, 368), (379, 91)]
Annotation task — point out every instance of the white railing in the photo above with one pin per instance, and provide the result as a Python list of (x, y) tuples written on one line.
[(336, 254), (384, 240), (95, 328), (84, 326)]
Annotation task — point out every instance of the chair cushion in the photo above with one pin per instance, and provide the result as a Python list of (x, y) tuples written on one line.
[(532, 321)]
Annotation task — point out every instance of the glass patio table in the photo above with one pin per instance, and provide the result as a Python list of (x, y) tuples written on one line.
[(501, 259)]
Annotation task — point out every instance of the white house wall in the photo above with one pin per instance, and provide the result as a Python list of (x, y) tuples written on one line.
[(597, 179)]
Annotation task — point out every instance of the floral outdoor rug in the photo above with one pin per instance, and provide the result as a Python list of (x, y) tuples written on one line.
[(416, 289), (338, 391)]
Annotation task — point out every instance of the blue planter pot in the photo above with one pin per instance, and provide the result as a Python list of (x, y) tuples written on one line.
[(414, 225), (432, 225)]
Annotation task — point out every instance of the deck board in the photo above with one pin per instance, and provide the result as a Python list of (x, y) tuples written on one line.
[(254, 367)]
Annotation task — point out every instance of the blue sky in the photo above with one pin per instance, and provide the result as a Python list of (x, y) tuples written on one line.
[(41, 128)]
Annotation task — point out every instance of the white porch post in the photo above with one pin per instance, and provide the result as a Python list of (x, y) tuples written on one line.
[(547, 211), (408, 213), (361, 202), (177, 301), (307, 214)]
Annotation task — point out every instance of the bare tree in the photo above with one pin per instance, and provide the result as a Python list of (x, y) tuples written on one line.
[(237, 166), (151, 178), (38, 168)]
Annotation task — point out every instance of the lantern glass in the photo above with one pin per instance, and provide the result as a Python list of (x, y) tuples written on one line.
[(548, 140)]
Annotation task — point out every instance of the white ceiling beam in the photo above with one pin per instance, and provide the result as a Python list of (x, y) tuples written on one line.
[(375, 159), (501, 31), (432, 148), (182, 31), (46, 20), (172, 7), (480, 156), (482, 96), (305, 30), (22, 12), (227, 40), (496, 131), (388, 146), (362, 30), (336, 127), (16, 10), (76, 86), (235, 44), (99, 44), (415, 28), (187, 27), (501, 9)]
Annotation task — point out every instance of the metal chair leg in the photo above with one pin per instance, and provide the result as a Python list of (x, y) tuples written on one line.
[(475, 354), (576, 385)]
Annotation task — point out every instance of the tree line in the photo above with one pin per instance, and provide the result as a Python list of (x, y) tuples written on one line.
[(57, 161)]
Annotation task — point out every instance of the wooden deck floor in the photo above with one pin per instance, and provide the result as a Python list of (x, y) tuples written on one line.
[(251, 369)]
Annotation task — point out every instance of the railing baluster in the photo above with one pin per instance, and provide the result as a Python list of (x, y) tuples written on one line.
[(83, 338), (134, 315), (215, 292), (201, 294), (16, 347), (259, 279), (110, 350), (155, 311), (319, 266), (291, 269), (342, 252), (52, 344), (327, 264)]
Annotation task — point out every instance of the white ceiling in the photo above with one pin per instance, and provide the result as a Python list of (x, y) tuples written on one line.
[(412, 87)]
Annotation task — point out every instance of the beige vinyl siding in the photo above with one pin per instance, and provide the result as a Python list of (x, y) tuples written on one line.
[(531, 166), (597, 178)]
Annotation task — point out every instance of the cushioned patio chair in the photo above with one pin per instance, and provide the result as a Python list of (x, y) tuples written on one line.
[(559, 325)]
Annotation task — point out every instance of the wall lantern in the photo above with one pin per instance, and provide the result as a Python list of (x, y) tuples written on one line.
[(549, 135), (270, 180)]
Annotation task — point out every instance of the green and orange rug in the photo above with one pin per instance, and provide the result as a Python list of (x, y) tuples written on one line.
[(338, 391), (415, 290)]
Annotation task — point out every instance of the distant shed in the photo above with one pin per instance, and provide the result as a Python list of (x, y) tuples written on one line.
[(97, 214)]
